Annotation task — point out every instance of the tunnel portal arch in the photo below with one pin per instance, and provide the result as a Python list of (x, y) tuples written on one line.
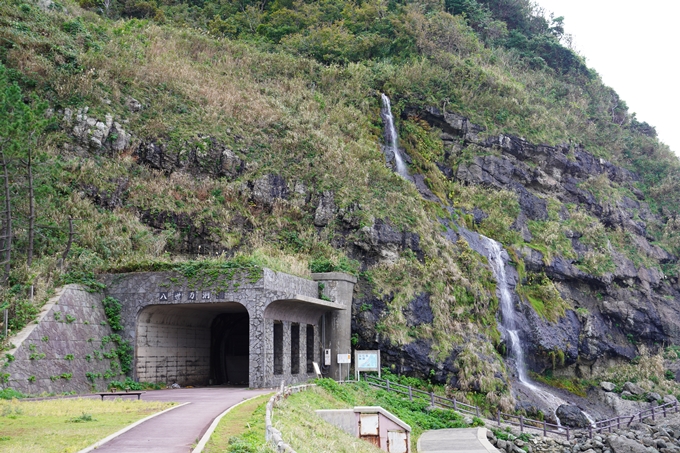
[(193, 344)]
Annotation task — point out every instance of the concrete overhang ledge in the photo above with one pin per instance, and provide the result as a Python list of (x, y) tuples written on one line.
[(336, 276), (300, 308), (299, 298)]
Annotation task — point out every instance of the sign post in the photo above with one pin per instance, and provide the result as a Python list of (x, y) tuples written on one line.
[(345, 358), (366, 361)]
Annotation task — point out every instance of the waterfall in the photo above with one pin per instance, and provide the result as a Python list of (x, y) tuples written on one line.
[(509, 322), (391, 137)]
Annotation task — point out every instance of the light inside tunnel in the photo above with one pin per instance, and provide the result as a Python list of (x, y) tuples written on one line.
[(193, 344)]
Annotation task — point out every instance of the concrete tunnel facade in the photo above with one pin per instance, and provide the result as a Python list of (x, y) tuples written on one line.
[(239, 330)]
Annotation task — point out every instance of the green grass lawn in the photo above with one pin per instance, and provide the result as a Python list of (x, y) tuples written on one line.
[(308, 433), (241, 430), (66, 425)]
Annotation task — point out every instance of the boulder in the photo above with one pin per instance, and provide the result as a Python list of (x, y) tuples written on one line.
[(653, 396), (669, 399), (607, 386), (620, 444), (572, 416), (133, 104), (633, 388)]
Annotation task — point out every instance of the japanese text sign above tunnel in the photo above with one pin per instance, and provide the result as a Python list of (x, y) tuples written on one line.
[(367, 360)]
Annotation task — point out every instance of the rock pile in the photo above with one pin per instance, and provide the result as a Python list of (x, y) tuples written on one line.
[(648, 436)]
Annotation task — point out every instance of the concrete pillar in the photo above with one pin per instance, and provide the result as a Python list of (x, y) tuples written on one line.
[(339, 287)]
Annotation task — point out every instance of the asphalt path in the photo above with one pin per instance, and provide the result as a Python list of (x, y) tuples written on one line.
[(179, 430), (465, 440)]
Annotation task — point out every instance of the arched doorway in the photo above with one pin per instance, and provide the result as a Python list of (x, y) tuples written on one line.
[(193, 344), (229, 349)]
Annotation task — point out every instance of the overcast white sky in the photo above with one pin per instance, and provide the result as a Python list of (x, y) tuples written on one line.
[(635, 47)]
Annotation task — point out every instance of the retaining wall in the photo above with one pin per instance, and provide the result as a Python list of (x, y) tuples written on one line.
[(54, 353)]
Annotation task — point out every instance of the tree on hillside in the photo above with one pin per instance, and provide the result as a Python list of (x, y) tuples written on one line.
[(21, 122)]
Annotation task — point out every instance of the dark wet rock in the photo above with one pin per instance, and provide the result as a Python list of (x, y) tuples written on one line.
[(197, 237), (478, 215), (423, 189), (381, 242), (520, 224), (529, 409), (109, 199), (419, 311), (572, 416), (206, 156)]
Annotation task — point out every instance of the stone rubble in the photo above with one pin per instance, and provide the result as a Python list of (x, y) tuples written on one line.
[(648, 436)]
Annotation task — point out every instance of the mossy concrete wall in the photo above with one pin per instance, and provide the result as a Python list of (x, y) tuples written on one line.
[(54, 353), (167, 316)]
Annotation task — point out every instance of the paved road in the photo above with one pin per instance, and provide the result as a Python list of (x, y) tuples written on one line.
[(178, 430), (468, 440)]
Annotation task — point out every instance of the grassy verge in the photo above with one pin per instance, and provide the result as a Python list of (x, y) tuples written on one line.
[(241, 430), (306, 432), (66, 425)]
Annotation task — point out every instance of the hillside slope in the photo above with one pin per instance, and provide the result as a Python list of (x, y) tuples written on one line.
[(202, 134)]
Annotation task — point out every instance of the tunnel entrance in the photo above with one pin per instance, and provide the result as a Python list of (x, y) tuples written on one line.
[(229, 349), (193, 344)]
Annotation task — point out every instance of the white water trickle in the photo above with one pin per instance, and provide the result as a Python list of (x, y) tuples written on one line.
[(391, 137), (509, 323)]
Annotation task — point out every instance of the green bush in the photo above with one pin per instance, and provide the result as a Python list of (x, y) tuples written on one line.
[(112, 308), (8, 394)]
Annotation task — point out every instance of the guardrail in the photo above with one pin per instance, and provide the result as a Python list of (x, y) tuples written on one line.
[(627, 420), (519, 420), (271, 434)]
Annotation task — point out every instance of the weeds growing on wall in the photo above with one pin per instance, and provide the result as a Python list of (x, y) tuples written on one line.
[(112, 308)]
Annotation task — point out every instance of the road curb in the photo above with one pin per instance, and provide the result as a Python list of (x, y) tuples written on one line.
[(127, 428), (211, 429)]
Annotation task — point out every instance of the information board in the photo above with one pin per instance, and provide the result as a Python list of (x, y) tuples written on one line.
[(344, 358), (366, 361)]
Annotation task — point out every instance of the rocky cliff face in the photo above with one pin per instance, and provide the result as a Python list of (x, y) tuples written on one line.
[(598, 251), (613, 308)]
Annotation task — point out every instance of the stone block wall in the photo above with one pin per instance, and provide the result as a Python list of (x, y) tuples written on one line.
[(170, 354), (55, 353)]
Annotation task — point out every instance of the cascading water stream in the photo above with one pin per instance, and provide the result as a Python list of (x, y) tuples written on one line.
[(494, 253), (509, 322), (391, 137)]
